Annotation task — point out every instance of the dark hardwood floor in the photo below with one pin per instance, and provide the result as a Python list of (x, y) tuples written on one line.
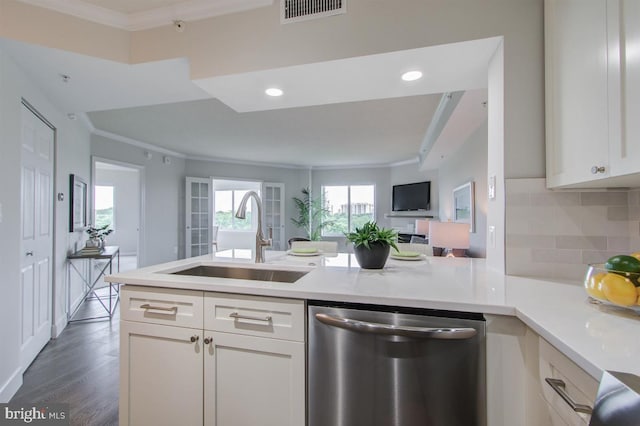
[(79, 368)]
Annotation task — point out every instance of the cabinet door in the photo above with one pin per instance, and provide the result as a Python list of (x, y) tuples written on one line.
[(576, 90), (160, 375), (624, 77), (253, 381)]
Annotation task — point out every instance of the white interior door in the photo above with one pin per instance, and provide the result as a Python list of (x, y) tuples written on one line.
[(198, 217), (37, 234), (273, 200)]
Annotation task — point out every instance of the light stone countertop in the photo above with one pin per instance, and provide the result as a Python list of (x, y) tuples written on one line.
[(594, 337)]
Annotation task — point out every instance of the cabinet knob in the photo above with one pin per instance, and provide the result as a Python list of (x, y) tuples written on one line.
[(194, 339), (208, 340), (597, 169)]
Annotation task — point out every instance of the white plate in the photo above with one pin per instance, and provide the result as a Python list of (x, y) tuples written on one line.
[(292, 253), (419, 257)]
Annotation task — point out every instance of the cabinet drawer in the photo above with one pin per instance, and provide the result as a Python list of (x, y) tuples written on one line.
[(180, 308), (255, 316), (578, 384)]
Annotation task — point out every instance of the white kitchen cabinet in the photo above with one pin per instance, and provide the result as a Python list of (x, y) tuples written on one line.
[(592, 93), (253, 381), (623, 20), (161, 372), (576, 90), (518, 362), (192, 357)]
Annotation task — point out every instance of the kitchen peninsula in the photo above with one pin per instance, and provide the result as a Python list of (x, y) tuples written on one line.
[(592, 337)]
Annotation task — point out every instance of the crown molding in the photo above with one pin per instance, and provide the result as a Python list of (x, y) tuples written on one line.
[(191, 10), (247, 162), (83, 10), (137, 143)]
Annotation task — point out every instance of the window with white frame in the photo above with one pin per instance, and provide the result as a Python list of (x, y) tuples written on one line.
[(104, 207), (348, 207), (227, 195)]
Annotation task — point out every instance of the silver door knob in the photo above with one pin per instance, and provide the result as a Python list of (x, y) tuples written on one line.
[(597, 169), (29, 253)]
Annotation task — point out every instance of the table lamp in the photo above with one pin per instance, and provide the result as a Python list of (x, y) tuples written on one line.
[(452, 237)]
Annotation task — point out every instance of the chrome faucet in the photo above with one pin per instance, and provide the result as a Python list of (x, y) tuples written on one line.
[(261, 242)]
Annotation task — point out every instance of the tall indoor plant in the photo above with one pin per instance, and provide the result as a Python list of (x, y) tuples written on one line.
[(311, 215), (371, 245)]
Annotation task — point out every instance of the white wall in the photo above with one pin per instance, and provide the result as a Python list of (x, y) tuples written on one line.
[(468, 164), (126, 194), (72, 156), (163, 224)]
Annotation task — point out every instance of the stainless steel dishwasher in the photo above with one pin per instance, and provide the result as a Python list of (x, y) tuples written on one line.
[(379, 366)]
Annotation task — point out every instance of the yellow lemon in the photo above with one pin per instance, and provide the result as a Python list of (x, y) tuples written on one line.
[(638, 290), (619, 290), (594, 286)]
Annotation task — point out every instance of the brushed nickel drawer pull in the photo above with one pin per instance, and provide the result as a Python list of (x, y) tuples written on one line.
[(559, 386), (173, 310), (236, 315)]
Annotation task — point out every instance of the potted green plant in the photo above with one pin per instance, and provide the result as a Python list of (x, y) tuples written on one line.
[(311, 215), (371, 245), (97, 235)]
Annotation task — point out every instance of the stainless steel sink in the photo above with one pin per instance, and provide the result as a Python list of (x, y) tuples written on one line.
[(243, 273)]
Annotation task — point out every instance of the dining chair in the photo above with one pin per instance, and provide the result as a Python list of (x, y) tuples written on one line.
[(323, 246), (425, 249), (214, 237)]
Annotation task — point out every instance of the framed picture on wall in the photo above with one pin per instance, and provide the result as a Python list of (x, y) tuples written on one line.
[(463, 204), (78, 203)]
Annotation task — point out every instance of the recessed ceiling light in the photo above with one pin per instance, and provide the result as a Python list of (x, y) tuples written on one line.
[(273, 91), (412, 75)]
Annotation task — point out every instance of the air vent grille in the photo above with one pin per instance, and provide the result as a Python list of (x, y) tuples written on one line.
[(300, 10)]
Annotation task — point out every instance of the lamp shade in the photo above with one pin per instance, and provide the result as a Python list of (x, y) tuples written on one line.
[(449, 235), (422, 227)]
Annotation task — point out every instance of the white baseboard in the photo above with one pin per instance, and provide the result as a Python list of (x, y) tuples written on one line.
[(59, 326), (11, 386)]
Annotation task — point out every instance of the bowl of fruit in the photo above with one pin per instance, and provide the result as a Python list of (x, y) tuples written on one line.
[(616, 282)]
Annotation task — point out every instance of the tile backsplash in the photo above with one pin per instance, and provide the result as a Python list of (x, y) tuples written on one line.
[(555, 234)]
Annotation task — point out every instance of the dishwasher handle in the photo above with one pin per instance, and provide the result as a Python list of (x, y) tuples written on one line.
[(397, 330)]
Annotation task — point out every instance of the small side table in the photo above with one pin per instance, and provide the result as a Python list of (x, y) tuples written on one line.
[(109, 253)]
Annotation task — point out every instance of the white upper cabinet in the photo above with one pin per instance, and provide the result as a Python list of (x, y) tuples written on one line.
[(623, 19), (592, 92)]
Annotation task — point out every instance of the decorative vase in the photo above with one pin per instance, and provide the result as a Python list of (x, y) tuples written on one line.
[(93, 243), (372, 258)]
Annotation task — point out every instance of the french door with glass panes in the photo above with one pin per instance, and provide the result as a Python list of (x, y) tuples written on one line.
[(198, 217), (273, 200)]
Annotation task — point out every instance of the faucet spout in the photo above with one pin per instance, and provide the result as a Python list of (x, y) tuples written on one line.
[(241, 213)]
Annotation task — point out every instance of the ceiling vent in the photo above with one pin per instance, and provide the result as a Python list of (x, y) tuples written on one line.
[(302, 10)]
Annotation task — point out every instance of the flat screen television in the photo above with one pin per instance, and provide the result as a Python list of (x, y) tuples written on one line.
[(411, 197)]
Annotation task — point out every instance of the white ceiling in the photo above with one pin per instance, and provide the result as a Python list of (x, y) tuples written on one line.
[(446, 68), (98, 84), (345, 134), (348, 112), (133, 6)]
